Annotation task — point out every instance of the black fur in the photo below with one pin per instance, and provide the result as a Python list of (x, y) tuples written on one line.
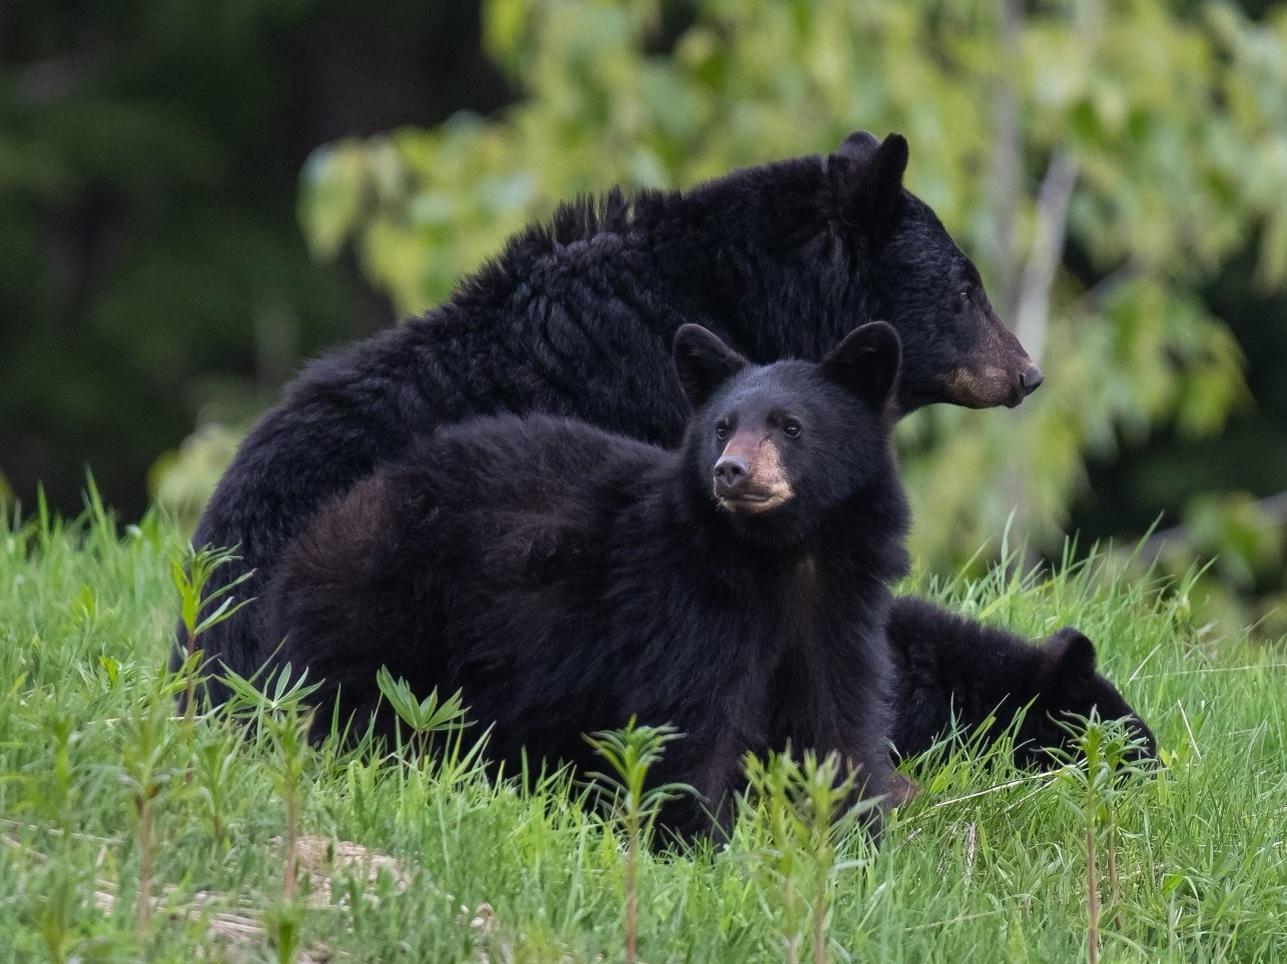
[(745, 627), (946, 665), (576, 318)]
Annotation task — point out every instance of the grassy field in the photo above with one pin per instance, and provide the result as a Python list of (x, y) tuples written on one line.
[(104, 794)]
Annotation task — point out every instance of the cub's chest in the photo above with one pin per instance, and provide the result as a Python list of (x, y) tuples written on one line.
[(801, 603), (789, 614)]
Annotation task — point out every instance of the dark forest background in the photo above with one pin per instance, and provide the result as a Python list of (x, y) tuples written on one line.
[(151, 261)]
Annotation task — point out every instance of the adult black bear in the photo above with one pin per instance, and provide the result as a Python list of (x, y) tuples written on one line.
[(740, 593), (576, 318), (946, 667)]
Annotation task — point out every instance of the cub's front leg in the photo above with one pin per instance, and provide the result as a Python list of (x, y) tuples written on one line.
[(710, 760), (841, 709)]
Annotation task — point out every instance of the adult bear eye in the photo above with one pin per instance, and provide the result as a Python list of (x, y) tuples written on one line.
[(721, 429), (963, 296), (791, 428)]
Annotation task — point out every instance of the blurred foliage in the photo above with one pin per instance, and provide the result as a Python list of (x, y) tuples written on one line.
[(1246, 538), (1243, 539), (181, 481), (1173, 117)]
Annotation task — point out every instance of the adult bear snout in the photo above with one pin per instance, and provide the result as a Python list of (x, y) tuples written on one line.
[(1030, 380)]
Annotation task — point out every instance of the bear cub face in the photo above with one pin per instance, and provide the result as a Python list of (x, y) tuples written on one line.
[(1068, 687), (776, 449)]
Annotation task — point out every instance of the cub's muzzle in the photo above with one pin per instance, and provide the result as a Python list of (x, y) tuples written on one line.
[(749, 478)]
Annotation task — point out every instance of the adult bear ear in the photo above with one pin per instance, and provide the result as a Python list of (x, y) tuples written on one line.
[(874, 191), (703, 362), (1068, 657), (866, 363)]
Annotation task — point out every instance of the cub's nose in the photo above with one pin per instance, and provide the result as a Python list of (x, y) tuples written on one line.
[(731, 472), (1030, 380)]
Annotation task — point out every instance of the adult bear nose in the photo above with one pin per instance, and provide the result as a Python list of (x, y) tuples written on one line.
[(730, 472), (1030, 380)]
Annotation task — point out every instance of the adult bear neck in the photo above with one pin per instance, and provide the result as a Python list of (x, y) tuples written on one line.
[(761, 255)]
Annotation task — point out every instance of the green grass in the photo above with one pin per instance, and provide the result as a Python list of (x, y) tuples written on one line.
[(986, 865)]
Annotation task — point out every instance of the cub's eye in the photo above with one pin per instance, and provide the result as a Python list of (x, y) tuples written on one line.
[(721, 429), (963, 296), (791, 428)]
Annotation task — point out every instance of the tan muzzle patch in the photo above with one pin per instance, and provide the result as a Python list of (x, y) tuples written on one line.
[(767, 485), (983, 389)]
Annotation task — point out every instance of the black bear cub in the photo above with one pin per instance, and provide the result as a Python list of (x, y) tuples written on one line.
[(739, 589), (948, 666)]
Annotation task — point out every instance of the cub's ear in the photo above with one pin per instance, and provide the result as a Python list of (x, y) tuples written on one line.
[(703, 362), (866, 363), (874, 194), (860, 146), (1068, 656)]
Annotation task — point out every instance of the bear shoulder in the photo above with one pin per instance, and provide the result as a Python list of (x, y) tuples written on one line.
[(510, 463)]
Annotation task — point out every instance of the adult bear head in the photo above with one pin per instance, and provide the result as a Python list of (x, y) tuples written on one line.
[(806, 249)]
